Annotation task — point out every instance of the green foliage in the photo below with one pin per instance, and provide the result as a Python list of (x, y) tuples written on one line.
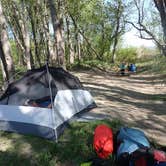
[(97, 20), (127, 54), (159, 97), (153, 65), (90, 65), (15, 52)]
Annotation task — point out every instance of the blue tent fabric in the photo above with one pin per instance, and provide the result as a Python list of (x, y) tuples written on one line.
[(133, 144), (127, 146), (132, 139)]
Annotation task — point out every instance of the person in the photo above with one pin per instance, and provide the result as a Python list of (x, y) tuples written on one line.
[(30, 102), (122, 68), (44, 102), (132, 67)]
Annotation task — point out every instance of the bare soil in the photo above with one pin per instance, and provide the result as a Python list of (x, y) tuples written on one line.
[(137, 100)]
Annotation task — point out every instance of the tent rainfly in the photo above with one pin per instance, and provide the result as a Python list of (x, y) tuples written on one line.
[(64, 91)]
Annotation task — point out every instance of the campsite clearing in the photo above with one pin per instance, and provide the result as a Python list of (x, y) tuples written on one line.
[(138, 100)]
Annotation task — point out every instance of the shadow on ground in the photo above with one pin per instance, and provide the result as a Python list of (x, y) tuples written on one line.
[(137, 100)]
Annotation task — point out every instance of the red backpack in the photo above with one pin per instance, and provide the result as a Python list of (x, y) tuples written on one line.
[(103, 141)]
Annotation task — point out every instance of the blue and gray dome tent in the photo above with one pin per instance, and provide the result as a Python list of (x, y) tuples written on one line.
[(68, 98)]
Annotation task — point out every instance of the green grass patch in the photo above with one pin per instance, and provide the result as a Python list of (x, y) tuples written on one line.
[(77, 141), (74, 146), (153, 65), (92, 64), (159, 97)]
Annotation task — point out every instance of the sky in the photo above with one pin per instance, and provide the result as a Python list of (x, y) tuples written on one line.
[(131, 39)]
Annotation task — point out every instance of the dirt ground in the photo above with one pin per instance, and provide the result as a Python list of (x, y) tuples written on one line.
[(136, 100)]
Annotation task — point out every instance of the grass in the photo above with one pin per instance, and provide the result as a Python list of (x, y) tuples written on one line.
[(74, 146), (73, 149), (148, 65), (154, 65), (159, 97), (91, 65)]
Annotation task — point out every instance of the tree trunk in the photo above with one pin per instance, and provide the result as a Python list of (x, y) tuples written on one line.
[(51, 57), (27, 47), (161, 7), (5, 47), (69, 44), (3, 64), (58, 33), (36, 45), (118, 16), (20, 14)]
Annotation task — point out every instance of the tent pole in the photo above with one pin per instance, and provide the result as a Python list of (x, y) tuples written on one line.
[(52, 104)]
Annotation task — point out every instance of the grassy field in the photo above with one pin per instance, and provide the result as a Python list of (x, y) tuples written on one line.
[(74, 146), (155, 65)]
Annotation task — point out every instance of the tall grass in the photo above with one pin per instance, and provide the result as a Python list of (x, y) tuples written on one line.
[(153, 65)]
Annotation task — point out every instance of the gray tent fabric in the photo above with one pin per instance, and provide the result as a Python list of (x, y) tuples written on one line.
[(35, 84), (67, 93)]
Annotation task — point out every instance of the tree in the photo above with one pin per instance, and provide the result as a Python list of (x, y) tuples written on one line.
[(147, 22), (5, 50), (22, 19), (161, 7), (57, 22), (118, 26)]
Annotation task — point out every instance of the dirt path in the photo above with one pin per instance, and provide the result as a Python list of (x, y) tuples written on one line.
[(134, 100)]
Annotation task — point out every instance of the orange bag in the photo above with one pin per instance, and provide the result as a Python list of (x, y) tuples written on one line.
[(103, 141)]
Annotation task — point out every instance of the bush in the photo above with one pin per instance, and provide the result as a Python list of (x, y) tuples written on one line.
[(91, 64), (155, 65), (127, 54)]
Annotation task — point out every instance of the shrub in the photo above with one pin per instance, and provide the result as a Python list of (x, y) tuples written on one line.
[(127, 54)]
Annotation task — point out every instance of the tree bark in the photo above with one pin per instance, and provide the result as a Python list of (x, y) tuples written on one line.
[(117, 29), (5, 48), (51, 52), (69, 43), (161, 7), (20, 17), (58, 34), (34, 20), (3, 64)]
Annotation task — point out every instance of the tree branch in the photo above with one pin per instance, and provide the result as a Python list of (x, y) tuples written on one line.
[(82, 34)]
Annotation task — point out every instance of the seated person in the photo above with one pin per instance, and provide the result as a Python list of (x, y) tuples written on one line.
[(122, 68), (42, 102), (132, 68)]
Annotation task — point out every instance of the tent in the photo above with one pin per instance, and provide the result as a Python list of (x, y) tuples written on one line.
[(67, 96)]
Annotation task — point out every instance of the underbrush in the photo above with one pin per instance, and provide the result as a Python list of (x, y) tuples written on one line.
[(155, 65), (150, 65), (87, 65), (94, 65)]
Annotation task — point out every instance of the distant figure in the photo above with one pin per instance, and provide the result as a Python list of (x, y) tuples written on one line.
[(122, 68), (132, 68)]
